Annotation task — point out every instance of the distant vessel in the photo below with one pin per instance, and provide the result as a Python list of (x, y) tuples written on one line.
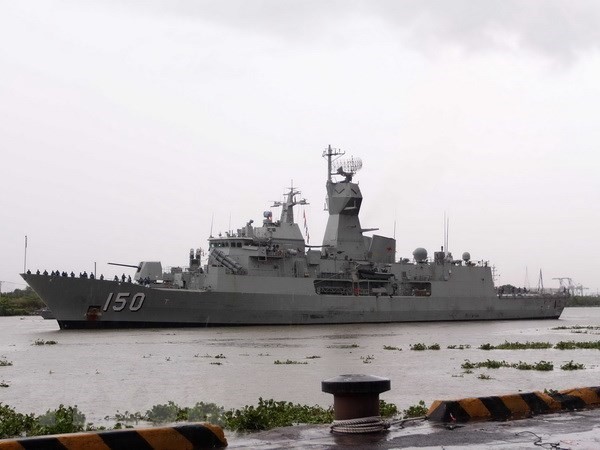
[(268, 275)]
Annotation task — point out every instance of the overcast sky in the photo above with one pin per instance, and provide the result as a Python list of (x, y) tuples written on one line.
[(125, 126)]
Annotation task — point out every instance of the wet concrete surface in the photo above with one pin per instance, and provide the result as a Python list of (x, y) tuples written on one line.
[(572, 430)]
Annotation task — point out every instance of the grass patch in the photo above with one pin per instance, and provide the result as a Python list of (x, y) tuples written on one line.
[(343, 346), (483, 376), (367, 359), (313, 357), (458, 347), (4, 363)]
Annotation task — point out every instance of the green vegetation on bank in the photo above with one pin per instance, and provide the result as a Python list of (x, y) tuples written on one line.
[(265, 415), (20, 302), (583, 301), (64, 419)]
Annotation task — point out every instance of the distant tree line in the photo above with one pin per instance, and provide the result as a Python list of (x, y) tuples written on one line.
[(584, 301), (20, 302)]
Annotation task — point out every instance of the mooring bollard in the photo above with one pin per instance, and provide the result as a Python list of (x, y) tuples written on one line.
[(356, 402)]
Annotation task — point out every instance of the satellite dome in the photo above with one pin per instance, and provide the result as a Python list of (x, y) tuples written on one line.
[(466, 256), (420, 254)]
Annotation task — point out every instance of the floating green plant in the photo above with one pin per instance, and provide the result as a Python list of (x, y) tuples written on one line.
[(493, 364), (542, 366), (572, 366), (367, 359), (483, 376), (43, 342), (576, 327), (516, 346), (420, 347), (4, 363), (343, 346), (488, 364), (313, 357), (289, 361), (458, 347), (572, 345), (390, 347)]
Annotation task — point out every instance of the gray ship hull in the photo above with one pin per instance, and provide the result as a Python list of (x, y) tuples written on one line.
[(88, 303)]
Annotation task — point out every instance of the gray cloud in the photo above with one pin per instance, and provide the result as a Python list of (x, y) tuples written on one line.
[(554, 28)]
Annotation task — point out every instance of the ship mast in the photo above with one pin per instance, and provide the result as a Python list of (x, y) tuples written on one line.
[(287, 211), (329, 153)]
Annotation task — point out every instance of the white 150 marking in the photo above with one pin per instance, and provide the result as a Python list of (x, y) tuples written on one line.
[(120, 301)]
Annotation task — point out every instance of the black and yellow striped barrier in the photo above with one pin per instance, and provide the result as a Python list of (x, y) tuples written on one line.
[(182, 437), (516, 406)]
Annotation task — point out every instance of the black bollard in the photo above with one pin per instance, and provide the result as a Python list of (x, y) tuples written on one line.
[(355, 396)]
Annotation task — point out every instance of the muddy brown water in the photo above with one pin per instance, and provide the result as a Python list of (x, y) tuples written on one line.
[(106, 371)]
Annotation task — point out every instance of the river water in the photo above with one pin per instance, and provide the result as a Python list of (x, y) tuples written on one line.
[(106, 371)]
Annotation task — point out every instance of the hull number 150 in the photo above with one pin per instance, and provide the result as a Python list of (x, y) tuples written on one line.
[(122, 299)]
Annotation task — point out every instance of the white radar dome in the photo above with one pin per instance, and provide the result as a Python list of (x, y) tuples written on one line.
[(420, 254)]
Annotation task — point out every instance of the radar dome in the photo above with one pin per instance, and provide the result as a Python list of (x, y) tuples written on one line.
[(420, 254), (466, 256)]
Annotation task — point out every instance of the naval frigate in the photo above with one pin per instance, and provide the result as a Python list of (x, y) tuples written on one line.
[(269, 275)]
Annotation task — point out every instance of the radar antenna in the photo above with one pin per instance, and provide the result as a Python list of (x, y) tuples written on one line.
[(348, 167)]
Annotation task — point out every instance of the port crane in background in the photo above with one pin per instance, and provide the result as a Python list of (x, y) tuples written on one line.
[(566, 284)]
